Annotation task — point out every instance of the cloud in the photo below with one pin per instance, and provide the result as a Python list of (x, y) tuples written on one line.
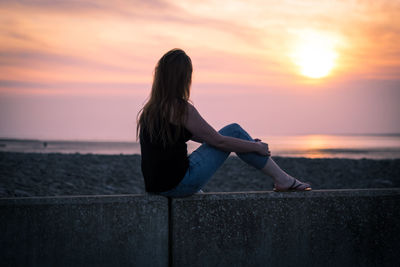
[(132, 10), (236, 38), (69, 85), (29, 59), (67, 6), (12, 87)]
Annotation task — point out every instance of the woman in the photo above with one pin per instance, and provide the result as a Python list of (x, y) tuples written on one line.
[(168, 121)]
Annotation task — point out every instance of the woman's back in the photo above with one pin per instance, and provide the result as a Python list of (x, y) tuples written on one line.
[(164, 166)]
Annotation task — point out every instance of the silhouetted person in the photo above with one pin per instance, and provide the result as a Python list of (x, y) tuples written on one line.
[(168, 120)]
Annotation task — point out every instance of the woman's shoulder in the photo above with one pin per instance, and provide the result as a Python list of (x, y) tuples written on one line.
[(190, 108)]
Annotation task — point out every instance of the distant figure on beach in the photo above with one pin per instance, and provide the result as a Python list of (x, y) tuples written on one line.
[(168, 120)]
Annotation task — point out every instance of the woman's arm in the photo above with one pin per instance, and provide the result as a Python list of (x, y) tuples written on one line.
[(203, 132)]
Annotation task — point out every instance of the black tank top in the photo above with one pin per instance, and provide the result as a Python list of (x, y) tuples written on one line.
[(163, 167)]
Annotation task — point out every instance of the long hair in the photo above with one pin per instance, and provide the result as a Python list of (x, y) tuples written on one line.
[(168, 99)]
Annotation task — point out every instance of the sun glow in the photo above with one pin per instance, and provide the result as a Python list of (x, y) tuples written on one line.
[(315, 54)]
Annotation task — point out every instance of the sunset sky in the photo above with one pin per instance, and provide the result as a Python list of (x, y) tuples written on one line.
[(82, 69)]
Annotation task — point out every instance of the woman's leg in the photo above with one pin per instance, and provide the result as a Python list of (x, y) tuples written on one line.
[(267, 165), (206, 160), (281, 179), (253, 159), (203, 163)]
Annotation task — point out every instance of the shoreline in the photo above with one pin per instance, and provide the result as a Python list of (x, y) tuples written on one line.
[(308, 145), (57, 174)]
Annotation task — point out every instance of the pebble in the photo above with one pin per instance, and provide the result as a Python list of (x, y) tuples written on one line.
[(40, 174)]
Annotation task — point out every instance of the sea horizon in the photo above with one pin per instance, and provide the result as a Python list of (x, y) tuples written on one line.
[(8, 138), (353, 146)]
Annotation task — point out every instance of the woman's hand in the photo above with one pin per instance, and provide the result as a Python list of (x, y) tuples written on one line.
[(263, 148)]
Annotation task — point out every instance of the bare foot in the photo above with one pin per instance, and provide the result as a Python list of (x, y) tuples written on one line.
[(283, 181), (291, 184)]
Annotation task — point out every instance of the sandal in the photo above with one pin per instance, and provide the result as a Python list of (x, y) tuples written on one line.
[(293, 187)]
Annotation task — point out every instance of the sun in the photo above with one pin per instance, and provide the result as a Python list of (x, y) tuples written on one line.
[(314, 53)]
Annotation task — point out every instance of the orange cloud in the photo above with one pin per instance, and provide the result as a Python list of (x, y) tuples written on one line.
[(237, 42)]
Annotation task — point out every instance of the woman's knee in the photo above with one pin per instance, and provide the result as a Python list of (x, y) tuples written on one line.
[(233, 129)]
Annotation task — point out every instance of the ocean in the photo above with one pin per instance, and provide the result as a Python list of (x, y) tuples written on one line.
[(371, 146)]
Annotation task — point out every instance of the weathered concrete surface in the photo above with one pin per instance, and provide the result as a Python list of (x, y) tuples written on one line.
[(125, 230), (318, 228)]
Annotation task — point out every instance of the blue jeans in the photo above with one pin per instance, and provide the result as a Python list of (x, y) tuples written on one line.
[(206, 160)]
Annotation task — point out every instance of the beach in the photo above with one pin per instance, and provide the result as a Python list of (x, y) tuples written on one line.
[(56, 174)]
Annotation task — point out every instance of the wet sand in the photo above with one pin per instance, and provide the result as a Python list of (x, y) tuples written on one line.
[(54, 174)]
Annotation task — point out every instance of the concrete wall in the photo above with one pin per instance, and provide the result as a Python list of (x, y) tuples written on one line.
[(84, 231), (318, 228)]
